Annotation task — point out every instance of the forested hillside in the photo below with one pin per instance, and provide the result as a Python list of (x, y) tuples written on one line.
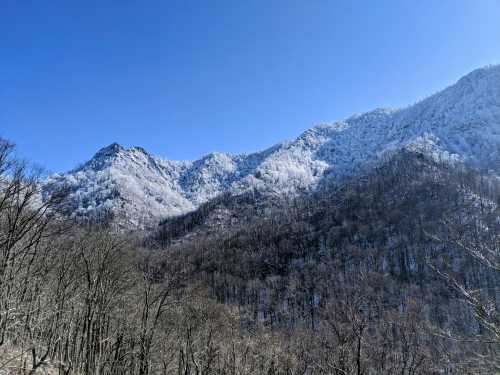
[(394, 271)]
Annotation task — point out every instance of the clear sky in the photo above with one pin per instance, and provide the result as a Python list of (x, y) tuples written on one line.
[(184, 78)]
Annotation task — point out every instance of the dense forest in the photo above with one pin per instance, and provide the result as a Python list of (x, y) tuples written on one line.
[(396, 271)]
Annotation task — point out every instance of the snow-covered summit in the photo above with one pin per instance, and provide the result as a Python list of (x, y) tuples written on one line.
[(460, 123)]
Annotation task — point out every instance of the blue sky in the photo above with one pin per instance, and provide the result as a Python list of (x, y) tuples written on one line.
[(184, 78)]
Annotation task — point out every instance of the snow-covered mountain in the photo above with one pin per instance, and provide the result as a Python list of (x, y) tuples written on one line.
[(459, 124)]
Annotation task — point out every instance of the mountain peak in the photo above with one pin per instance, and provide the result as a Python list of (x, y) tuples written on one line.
[(102, 157), (111, 149), (114, 149)]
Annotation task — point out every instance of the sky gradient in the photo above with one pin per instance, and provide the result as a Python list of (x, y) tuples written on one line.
[(185, 78)]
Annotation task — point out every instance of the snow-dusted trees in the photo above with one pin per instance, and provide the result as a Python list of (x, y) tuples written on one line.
[(26, 224), (474, 234)]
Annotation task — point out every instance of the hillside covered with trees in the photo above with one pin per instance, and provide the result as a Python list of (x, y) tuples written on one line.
[(395, 271)]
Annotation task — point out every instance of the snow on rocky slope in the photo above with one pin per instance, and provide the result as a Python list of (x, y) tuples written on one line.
[(460, 123)]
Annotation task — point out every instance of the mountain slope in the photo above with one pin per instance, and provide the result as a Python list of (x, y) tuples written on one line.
[(458, 124)]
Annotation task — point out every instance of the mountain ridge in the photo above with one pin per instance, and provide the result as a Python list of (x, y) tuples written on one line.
[(458, 124)]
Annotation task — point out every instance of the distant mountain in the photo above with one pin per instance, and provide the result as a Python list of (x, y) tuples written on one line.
[(460, 124)]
